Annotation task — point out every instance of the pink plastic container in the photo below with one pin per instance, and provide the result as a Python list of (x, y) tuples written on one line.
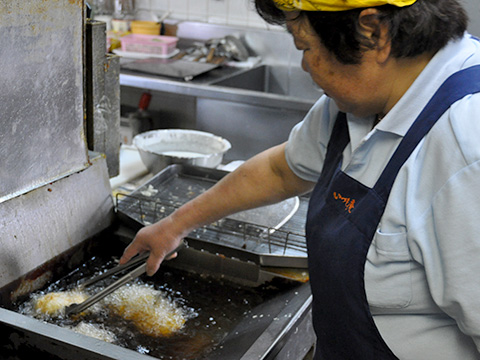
[(149, 44)]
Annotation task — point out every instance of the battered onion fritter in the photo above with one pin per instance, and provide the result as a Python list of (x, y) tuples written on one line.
[(54, 303), (149, 310)]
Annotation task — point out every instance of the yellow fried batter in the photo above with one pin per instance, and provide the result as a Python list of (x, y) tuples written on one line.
[(53, 303), (149, 310), (96, 331)]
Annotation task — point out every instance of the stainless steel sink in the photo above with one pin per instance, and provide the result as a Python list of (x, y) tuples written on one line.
[(274, 79), (253, 108)]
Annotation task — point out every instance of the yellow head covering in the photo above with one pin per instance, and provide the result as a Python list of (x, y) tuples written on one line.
[(336, 5)]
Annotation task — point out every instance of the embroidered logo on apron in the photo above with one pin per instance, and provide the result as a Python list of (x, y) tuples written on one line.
[(349, 203)]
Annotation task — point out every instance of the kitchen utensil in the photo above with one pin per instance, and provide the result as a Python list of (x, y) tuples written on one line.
[(235, 48), (164, 16), (77, 308), (160, 148), (228, 47), (117, 269), (212, 46), (132, 275)]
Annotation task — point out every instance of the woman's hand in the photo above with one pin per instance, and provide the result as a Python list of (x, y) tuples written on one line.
[(159, 239)]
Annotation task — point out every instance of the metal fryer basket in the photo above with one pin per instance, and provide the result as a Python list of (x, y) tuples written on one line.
[(177, 184)]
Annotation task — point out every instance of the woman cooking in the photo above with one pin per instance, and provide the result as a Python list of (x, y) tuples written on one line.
[(391, 152)]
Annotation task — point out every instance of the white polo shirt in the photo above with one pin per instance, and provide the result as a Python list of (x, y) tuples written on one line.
[(422, 274)]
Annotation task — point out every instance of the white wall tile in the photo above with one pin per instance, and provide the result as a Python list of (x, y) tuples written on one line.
[(217, 11), (225, 12), (143, 4), (238, 12), (256, 21), (179, 9), (238, 7), (159, 6), (198, 6), (198, 10)]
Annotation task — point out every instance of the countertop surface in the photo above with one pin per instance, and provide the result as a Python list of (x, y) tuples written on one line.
[(131, 167)]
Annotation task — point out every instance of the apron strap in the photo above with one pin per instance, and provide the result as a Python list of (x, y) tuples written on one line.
[(455, 88), (339, 139)]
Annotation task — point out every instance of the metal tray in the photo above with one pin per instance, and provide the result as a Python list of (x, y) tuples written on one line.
[(268, 242), (182, 69)]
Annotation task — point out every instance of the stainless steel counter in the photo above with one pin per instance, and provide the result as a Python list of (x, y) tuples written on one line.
[(210, 90), (253, 108)]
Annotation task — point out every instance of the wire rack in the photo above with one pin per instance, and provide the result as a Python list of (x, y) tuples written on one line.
[(238, 233), (270, 246)]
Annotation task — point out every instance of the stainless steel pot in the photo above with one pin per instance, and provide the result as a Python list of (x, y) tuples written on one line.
[(160, 148)]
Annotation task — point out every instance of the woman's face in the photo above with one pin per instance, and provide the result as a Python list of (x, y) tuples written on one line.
[(355, 88)]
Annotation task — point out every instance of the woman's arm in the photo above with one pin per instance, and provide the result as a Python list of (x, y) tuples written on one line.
[(265, 179)]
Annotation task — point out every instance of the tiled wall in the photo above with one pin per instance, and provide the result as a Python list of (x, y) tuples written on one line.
[(225, 12), (242, 12)]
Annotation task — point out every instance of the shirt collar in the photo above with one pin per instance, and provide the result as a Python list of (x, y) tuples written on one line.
[(447, 61)]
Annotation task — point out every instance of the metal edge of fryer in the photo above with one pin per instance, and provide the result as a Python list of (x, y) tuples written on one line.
[(292, 324), (256, 334), (28, 337)]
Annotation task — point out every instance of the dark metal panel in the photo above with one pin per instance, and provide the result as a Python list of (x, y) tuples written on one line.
[(41, 109), (102, 96)]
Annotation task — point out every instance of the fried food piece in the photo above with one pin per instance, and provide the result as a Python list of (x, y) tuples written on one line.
[(54, 303), (148, 309), (96, 331)]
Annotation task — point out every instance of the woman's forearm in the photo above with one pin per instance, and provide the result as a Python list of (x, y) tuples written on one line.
[(263, 180)]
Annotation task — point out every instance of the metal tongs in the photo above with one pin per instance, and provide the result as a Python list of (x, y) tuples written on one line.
[(132, 275)]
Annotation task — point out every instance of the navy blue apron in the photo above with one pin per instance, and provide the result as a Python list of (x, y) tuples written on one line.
[(342, 218)]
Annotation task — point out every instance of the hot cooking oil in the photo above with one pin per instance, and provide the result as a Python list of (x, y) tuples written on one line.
[(172, 315)]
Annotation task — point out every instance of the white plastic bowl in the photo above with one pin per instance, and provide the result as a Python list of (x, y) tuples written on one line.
[(160, 148)]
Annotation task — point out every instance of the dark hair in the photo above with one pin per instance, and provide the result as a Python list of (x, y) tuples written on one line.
[(425, 26)]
